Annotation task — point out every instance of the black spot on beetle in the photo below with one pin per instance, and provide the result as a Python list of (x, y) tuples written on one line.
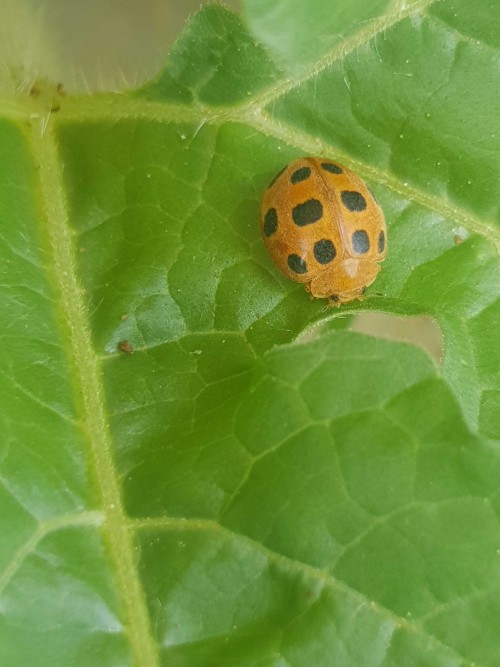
[(297, 264), (360, 241), (353, 201), (300, 175), (324, 251), (307, 213), (381, 241), (270, 222), (332, 168)]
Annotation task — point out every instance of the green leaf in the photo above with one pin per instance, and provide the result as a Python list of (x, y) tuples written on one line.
[(215, 63), (185, 479), (299, 33)]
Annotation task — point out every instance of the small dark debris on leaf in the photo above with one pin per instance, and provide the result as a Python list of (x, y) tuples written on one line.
[(125, 347)]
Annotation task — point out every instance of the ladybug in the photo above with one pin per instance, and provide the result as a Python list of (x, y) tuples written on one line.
[(323, 227)]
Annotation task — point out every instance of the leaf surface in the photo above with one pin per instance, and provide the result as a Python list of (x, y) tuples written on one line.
[(187, 481)]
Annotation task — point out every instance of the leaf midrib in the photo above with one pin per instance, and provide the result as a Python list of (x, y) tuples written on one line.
[(89, 393)]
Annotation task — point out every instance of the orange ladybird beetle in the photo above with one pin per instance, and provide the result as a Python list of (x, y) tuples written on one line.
[(323, 227)]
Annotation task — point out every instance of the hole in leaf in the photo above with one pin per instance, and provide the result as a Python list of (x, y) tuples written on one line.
[(423, 331)]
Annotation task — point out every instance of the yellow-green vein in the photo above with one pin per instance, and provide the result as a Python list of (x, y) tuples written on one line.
[(88, 389)]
